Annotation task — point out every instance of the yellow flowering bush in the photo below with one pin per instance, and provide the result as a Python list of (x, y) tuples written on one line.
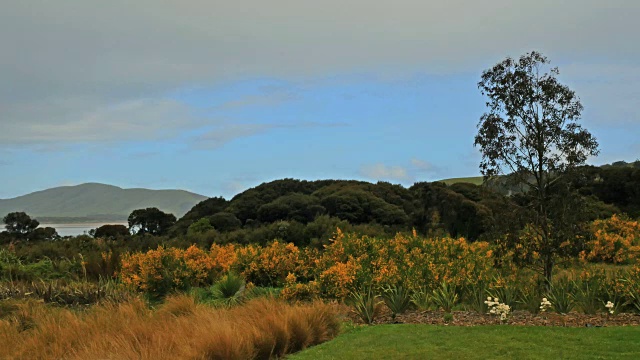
[(156, 272), (294, 290), (615, 240), (350, 262), (268, 265)]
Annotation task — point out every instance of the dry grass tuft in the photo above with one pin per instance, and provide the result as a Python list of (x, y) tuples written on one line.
[(179, 329)]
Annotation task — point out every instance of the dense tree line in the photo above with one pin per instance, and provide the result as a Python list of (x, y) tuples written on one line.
[(461, 209), (307, 212)]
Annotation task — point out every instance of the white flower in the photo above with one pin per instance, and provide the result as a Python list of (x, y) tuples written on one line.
[(610, 307), (497, 308), (544, 305)]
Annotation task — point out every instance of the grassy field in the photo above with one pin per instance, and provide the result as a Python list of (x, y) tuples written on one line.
[(476, 180), (481, 342)]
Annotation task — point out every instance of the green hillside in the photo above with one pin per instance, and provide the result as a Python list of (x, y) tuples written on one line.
[(97, 202), (475, 180)]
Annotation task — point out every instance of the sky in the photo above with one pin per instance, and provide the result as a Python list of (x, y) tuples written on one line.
[(216, 97)]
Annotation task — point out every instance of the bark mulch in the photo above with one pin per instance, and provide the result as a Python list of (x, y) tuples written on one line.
[(517, 317)]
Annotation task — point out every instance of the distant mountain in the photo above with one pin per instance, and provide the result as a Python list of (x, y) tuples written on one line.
[(97, 202)]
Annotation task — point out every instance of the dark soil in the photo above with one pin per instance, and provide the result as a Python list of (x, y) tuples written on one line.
[(517, 317)]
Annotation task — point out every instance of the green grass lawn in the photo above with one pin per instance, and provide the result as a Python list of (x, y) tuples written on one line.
[(480, 342)]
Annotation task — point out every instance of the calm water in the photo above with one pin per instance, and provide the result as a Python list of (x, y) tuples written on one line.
[(77, 229)]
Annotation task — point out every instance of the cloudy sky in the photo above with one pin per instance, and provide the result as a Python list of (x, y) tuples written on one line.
[(218, 96)]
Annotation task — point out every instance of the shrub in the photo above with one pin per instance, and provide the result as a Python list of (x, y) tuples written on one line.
[(366, 305), (475, 296), (445, 297), (615, 240), (561, 295), (397, 299), (268, 265), (587, 295), (507, 292), (229, 290), (421, 299), (160, 271), (294, 290), (350, 262)]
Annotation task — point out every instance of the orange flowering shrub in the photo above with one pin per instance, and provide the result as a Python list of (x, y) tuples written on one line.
[(224, 256), (269, 265), (294, 290), (615, 240), (161, 270), (350, 262), (156, 272)]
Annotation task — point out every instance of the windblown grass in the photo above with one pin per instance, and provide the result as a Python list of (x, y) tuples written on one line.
[(179, 329)]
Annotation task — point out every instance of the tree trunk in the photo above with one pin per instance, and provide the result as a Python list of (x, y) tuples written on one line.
[(548, 269)]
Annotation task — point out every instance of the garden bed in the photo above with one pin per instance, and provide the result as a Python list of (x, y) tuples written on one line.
[(517, 317)]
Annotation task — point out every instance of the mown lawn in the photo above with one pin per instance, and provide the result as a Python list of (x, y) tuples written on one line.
[(480, 342)]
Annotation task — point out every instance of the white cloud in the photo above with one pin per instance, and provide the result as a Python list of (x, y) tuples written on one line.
[(422, 166), (225, 133), (267, 99), (76, 70), (85, 120), (382, 172)]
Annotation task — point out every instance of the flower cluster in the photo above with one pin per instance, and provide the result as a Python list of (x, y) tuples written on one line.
[(498, 308), (615, 240), (610, 307), (349, 262), (545, 305)]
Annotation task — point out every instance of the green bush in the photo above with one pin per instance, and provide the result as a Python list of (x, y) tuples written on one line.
[(445, 297), (366, 305), (229, 290), (397, 298), (561, 295), (421, 299)]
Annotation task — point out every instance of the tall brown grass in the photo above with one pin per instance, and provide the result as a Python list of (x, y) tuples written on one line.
[(179, 329)]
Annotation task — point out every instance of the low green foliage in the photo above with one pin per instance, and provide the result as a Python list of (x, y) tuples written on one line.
[(397, 298), (447, 317), (66, 293), (507, 294), (229, 290), (633, 294), (529, 299), (366, 305), (588, 296), (561, 295), (480, 342), (445, 297), (474, 296), (421, 299)]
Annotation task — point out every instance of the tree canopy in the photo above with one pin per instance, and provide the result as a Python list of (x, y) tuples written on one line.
[(150, 221), (531, 132), (19, 223)]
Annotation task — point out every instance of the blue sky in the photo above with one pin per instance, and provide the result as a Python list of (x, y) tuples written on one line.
[(215, 98)]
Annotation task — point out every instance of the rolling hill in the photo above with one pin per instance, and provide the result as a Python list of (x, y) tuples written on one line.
[(97, 202), (475, 180)]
